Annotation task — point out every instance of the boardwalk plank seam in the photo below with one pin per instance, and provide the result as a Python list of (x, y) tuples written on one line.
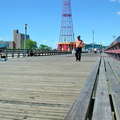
[(80, 107), (106, 95)]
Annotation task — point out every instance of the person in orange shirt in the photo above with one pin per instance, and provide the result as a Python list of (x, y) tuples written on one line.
[(78, 48)]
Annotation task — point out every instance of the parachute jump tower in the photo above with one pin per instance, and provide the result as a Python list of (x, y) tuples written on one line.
[(66, 38)]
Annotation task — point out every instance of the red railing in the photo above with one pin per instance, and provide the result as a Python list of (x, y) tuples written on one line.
[(113, 49)]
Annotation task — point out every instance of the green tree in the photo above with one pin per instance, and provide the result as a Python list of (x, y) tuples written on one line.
[(44, 47), (30, 44)]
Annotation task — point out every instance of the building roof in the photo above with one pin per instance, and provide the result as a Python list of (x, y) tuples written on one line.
[(3, 45)]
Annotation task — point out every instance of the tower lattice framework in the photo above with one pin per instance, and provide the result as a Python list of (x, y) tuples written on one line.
[(66, 32)]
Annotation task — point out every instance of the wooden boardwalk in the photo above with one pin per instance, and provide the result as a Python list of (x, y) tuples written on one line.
[(100, 97), (42, 88)]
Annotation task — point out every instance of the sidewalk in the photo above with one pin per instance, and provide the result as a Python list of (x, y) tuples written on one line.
[(42, 88)]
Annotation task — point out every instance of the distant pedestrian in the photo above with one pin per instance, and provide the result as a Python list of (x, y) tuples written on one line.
[(78, 48), (95, 50), (31, 53)]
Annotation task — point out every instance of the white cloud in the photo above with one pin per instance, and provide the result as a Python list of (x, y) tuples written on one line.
[(115, 0), (1, 38), (44, 41), (4, 39), (87, 42), (118, 13)]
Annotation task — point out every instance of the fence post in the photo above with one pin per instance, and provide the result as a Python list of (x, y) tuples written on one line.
[(18, 53), (13, 54)]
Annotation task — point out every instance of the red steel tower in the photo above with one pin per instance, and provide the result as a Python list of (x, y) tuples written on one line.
[(66, 33)]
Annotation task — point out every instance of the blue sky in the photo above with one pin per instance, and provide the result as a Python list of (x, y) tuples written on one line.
[(44, 20)]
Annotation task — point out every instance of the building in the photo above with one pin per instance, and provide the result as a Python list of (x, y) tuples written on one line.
[(90, 47), (6, 44), (3, 45), (18, 39), (65, 46)]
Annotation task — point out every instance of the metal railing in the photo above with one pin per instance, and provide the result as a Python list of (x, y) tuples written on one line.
[(16, 53)]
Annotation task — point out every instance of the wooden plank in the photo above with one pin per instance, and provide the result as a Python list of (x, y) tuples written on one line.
[(79, 110), (102, 108), (116, 67), (47, 86), (115, 89)]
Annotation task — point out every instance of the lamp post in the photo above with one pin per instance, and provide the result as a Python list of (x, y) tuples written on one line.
[(25, 36), (93, 39)]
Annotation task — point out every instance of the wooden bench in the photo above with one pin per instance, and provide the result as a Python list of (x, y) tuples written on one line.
[(100, 97)]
